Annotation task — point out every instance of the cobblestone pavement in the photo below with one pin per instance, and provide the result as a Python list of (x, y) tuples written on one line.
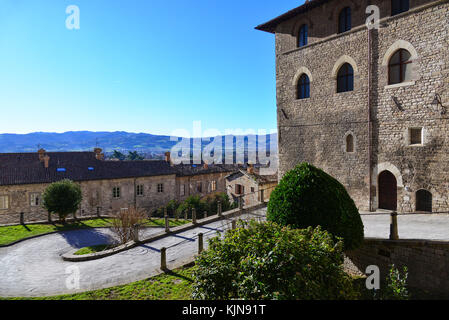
[(35, 267)]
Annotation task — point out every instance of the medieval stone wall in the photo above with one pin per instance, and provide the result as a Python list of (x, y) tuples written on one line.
[(315, 129)]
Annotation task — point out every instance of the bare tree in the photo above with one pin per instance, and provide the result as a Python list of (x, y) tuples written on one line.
[(126, 223)]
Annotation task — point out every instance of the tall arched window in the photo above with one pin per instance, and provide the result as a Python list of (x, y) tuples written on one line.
[(349, 143), (344, 20), (399, 6), (303, 35), (303, 87), (345, 78), (399, 67)]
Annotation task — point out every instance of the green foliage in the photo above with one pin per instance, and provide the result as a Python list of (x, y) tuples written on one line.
[(62, 198), (133, 155), (307, 196), (268, 261), (189, 203), (118, 155), (397, 284), (92, 249)]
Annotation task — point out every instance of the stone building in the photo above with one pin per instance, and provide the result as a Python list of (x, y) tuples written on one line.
[(250, 185), (107, 186), (367, 105)]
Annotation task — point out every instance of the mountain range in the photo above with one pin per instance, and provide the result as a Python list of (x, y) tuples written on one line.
[(108, 141)]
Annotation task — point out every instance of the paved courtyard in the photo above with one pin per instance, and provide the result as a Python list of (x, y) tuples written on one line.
[(35, 267)]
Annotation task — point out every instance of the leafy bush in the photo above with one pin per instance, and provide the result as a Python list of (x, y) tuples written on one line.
[(397, 284), (62, 198), (307, 196), (267, 261)]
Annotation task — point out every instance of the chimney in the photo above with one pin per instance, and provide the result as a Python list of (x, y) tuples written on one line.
[(205, 166), (46, 161), (98, 154), (41, 153), (250, 168), (167, 157)]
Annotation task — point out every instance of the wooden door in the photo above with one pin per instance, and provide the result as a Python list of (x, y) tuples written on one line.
[(388, 191)]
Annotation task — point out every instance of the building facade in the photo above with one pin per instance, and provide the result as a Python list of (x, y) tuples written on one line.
[(107, 186), (367, 105)]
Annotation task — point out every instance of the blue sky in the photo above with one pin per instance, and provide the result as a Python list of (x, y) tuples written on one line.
[(137, 65)]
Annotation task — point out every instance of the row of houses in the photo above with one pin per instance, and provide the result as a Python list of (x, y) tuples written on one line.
[(108, 186)]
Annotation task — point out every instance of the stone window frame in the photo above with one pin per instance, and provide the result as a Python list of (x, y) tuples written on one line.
[(302, 70), (8, 202), (347, 24), (199, 187), (414, 59), (33, 194), (354, 142), (116, 192), (213, 185), (408, 137), (338, 64), (304, 20), (182, 190)]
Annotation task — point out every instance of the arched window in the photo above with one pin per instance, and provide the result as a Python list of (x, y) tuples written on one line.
[(349, 143), (303, 35), (303, 87), (345, 78), (423, 201), (399, 6), (344, 20), (399, 67)]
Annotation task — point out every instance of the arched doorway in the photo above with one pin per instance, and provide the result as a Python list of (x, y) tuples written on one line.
[(423, 201), (388, 191)]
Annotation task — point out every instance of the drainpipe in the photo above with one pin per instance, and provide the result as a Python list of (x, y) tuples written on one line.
[(370, 135)]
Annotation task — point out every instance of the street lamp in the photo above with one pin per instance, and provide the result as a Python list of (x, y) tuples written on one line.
[(437, 101)]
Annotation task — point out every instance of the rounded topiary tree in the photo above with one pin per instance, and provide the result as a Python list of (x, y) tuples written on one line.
[(62, 198), (307, 196)]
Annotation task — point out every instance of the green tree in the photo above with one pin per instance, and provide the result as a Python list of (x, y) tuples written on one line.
[(62, 198), (307, 196), (118, 155), (189, 203), (133, 155), (265, 261)]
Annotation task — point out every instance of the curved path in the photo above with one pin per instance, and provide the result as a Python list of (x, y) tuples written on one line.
[(35, 268)]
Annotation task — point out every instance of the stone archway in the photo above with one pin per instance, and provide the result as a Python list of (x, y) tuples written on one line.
[(388, 191)]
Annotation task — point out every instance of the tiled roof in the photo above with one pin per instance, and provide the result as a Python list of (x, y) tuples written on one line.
[(271, 25), (25, 168), (259, 179)]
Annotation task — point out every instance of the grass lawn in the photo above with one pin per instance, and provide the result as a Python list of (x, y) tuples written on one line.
[(92, 249), (13, 233), (175, 285)]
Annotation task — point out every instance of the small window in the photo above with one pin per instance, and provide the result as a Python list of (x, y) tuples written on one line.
[(139, 190), (4, 202), (116, 192), (199, 187), (399, 6), (399, 67), (415, 136), (182, 190), (213, 186), (303, 87), (345, 78), (349, 143), (35, 199), (160, 188), (303, 36), (344, 20), (252, 189), (239, 189)]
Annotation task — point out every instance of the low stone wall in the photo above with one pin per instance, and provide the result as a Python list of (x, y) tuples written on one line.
[(427, 261)]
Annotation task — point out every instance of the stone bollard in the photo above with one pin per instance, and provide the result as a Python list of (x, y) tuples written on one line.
[(200, 243), (49, 217), (163, 258), (22, 220), (185, 215), (167, 224), (193, 215), (234, 224), (136, 233), (394, 226), (205, 214), (241, 203), (74, 216), (262, 197), (219, 209)]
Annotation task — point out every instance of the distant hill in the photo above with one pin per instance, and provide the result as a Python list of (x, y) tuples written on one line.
[(108, 141)]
